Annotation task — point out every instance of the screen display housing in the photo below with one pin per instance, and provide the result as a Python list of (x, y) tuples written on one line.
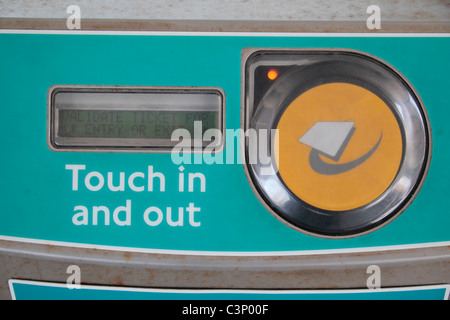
[(134, 119)]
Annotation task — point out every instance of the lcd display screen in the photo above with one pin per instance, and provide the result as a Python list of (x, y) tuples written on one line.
[(131, 124), (121, 117)]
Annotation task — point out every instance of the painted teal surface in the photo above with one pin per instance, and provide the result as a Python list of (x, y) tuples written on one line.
[(36, 197), (30, 291)]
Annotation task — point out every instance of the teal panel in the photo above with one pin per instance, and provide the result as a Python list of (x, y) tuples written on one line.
[(37, 200), (48, 291)]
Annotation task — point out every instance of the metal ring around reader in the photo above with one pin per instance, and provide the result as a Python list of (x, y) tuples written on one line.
[(315, 68)]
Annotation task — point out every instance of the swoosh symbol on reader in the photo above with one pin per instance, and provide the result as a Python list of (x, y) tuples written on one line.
[(330, 139)]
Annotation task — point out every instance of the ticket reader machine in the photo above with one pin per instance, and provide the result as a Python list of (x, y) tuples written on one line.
[(166, 164)]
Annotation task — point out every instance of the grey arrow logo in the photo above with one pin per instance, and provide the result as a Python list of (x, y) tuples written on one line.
[(330, 138)]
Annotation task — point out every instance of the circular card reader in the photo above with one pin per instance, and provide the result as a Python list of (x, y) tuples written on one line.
[(341, 141)]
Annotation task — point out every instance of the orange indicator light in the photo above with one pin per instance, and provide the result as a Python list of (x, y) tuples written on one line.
[(272, 74)]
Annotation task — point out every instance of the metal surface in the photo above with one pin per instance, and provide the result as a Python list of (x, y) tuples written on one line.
[(234, 15), (237, 10), (226, 25), (318, 271)]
